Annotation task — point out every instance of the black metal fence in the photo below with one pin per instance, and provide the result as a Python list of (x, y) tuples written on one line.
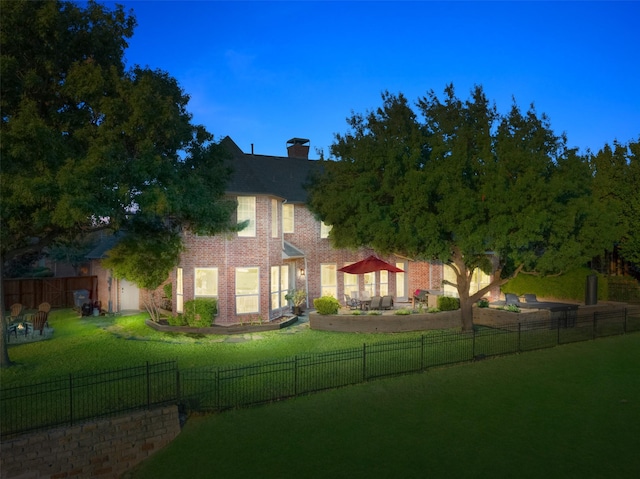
[(76, 398)]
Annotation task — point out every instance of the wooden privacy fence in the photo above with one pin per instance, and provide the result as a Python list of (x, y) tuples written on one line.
[(58, 292)]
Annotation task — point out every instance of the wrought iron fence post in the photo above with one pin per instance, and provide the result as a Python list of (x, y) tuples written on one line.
[(473, 343), (217, 376), (178, 388), (625, 320), (595, 324), (558, 331), (70, 400), (519, 336), (148, 388), (295, 375), (422, 352), (364, 362)]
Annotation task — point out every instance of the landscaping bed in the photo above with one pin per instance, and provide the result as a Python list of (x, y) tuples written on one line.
[(276, 324)]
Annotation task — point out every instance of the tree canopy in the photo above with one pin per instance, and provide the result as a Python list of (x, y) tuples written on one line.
[(616, 172), (88, 144), (464, 185)]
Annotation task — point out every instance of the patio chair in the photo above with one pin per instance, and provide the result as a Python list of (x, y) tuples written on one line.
[(530, 298), (46, 307), (353, 303), (376, 302), (511, 299), (387, 302), (38, 321), (17, 313)]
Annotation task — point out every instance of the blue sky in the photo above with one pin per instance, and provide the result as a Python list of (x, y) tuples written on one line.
[(264, 72)]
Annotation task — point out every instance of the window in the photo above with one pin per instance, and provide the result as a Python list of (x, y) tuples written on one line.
[(206, 282), (179, 292), (401, 288), (274, 218), (384, 282), (478, 281), (247, 211), (324, 230), (279, 286), (370, 283), (350, 282), (247, 290), (287, 218), (328, 280)]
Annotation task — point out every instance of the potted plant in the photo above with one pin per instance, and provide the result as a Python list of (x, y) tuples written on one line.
[(296, 297)]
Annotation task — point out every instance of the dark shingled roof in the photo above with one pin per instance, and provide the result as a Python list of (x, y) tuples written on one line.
[(104, 245), (268, 175)]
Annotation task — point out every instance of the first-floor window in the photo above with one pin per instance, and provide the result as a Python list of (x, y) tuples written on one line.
[(370, 283), (179, 292), (206, 282), (247, 290), (329, 280), (401, 290), (351, 284), (279, 286), (384, 282)]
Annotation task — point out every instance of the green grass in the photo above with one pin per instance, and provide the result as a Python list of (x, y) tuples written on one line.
[(566, 412), (82, 345)]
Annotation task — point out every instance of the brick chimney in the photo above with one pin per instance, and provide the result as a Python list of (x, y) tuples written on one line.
[(298, 148)]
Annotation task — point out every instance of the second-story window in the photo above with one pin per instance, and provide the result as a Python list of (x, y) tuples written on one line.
[(287, 218), (247, 211), (324, 230)]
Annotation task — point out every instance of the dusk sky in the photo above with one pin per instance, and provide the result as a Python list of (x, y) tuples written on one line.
[(265, 72)]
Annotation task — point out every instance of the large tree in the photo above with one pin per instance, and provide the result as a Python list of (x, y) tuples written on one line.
[(616, 173), (465, 185), (87, 144)]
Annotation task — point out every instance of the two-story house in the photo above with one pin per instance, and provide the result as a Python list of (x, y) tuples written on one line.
[(283, 247)]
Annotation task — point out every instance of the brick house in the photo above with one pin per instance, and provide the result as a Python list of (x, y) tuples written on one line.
[(284, 247)]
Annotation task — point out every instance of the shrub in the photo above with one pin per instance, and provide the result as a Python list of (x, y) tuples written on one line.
[(199, 312), (326, 305), (374, 313), (433, 310), (356, 312), (448, 303), (403, 312), (177, 320), (483, 303)]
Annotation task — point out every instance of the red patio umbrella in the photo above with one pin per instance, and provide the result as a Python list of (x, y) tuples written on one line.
[(368, 265)]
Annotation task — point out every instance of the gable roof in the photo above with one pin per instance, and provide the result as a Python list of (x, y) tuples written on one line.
[(280, 176)]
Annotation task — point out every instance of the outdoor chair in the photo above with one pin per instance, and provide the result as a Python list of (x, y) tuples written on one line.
[(511, 299), (376, 302), (17, 313), (353, 303), (38, 320), (387, 302), (530, 298), (46, 307)]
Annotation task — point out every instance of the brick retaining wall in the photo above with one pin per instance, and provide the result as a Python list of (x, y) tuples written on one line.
[(104, 449)]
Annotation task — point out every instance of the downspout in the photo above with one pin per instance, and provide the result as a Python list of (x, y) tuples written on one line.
[(306, 280)]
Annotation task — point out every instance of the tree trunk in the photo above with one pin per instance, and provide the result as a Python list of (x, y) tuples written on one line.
[(4, 349), (466, 314)]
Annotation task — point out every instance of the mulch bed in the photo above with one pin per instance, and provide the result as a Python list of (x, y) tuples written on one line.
[(278, 323)]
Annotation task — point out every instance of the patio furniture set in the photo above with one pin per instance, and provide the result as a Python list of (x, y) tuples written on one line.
[(21, 321), (363, 301)]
